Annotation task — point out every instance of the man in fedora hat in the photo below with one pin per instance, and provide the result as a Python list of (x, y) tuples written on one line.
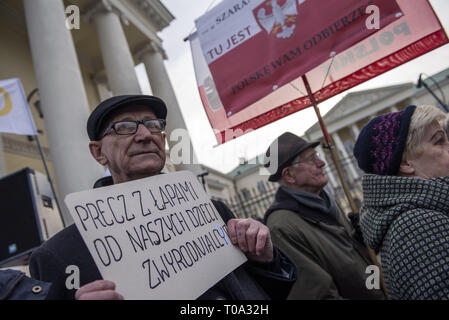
[(307, 225), (127, 136)]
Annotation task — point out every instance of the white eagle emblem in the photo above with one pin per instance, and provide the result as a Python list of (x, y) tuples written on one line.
[(278, 17)]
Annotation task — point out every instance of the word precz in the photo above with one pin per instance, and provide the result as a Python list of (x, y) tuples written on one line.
[(104, 213)]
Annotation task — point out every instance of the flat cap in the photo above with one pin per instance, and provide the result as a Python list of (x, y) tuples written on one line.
[(99, 115)]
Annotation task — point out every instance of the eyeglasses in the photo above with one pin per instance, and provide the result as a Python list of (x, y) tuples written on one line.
[(314, 158), (129, 127)]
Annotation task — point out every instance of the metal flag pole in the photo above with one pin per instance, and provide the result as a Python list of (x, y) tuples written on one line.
[(45, 162), (336, 160)]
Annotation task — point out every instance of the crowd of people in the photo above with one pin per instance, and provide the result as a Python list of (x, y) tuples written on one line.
[(306, 247)]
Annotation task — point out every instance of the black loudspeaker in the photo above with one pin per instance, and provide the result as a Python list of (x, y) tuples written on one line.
[(28, 215)]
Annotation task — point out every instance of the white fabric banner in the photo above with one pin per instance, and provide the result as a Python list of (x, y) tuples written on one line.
[(15, 115)]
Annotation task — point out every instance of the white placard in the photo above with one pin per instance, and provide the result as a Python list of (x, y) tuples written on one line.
[(156, 238)]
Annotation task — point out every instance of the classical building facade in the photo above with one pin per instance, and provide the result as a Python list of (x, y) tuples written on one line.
[(74, 67)]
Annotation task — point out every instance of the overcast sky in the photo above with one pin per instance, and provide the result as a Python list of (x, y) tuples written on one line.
[(226, 157)]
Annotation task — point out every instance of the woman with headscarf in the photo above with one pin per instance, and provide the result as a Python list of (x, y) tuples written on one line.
[(405, 212)]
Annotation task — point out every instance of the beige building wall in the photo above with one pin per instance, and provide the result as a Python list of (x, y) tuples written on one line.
[(250, 180), (93, 97), (219, 186), (16, 62), (15, 162), (255, 191)]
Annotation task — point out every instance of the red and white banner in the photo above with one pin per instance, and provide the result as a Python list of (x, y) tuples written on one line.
[(254, 47), (249, 72)]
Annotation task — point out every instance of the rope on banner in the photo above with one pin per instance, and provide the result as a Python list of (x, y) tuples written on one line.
[(332, 54), (297, 89)]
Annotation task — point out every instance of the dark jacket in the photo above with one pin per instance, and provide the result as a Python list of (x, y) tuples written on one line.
[(250, 281), (407, 220), (331, 264), (15, 285)]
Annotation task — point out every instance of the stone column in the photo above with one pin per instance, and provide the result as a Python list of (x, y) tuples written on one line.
[(348, 159), (63, 98), (117, 58), (355, 131), (153, 58)]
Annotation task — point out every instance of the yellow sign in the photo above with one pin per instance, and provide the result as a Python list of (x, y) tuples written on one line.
[(8, 103)]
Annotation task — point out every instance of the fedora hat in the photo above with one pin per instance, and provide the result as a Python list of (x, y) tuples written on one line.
[(289, 146)]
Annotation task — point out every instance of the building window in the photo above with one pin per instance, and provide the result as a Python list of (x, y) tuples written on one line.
[(246, 194), (348, 146), (261, 187)]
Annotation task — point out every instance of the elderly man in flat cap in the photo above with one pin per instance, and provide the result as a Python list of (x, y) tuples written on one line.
[(127, 135), (309, 228)]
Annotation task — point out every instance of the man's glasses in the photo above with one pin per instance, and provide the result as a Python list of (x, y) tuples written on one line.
[(129, 127), (314, 158)]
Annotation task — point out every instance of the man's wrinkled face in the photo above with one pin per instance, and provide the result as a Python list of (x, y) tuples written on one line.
[(134, 156), (306, 172)]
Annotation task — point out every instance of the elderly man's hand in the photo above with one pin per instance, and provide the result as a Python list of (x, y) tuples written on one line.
[(252, 237), (98, 290)]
